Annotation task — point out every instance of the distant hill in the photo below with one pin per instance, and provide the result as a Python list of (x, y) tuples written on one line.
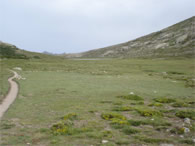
[(11, 51), (177, 40)]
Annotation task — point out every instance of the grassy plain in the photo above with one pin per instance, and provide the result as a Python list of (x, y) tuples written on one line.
[(83, 102)]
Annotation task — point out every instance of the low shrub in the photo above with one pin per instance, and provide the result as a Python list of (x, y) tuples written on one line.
[(7, 126), (186, 114), (123, 108), (119, 121), (149, 112), (151, 140), (71, 116), (180, 104), (156, 104), (178, 130), (136, 122), (110, 116), (164, 100), (128, 130), (131, 97), (187, 141)]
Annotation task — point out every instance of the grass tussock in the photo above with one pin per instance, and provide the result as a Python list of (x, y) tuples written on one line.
[(180, 104), (146, 112), (165, 100), (123, 108), (131, 97), (156, 104), (129, 130), (111, 116), (186, 114), (151, 140), (66, 126)]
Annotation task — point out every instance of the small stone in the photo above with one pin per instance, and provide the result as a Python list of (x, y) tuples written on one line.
[(181, 136), (187, 120), (164, 73), (17, 68), (28, 143), (186, 130), (132, 93), (193, 140), (166, 144), (152, 119), (104, 141)]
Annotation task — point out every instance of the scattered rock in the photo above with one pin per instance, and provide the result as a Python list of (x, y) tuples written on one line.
[(181, 136), (104, 141), (182, 38), (193, 140), (186, 130), (155, 91), (187, 120), (164, 73), (166, 145), (132, 93), (17, 68)]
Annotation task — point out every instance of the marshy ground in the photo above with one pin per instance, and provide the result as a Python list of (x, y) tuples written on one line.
[(100, 102)]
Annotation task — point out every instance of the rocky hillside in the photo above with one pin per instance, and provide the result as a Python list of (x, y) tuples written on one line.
[(177, 40)]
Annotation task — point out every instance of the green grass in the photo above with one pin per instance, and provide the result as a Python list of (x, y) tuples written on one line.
[(55, 88)]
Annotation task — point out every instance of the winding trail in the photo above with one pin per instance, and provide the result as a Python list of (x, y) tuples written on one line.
[(11, 96)]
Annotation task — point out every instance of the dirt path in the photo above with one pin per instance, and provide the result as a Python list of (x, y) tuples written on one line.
[(11, 96)]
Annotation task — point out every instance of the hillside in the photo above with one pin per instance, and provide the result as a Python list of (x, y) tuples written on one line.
[(177, 40), (11, 51)]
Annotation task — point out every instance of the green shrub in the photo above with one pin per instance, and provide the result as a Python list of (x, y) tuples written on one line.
[(66, 126), (187, 141), (119, 121), (123, 108), (164, 100), (178, 130), (156, 104), (131, 97), (71, 116), (110, 116), (151, 140), (118, 103), (180, 104), (7, 126), (107, 133), (149, 112), (186, 114), (136, 122), (128, 130), (106, 101), (60, 129), (160, 128)]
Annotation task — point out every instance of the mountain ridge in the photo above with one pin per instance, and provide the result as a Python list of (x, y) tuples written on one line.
[(176, 40)]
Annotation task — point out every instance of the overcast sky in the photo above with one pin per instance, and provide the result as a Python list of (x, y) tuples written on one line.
[(78, 25)]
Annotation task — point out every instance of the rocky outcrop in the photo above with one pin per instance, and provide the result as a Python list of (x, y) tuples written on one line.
[(176, 40)]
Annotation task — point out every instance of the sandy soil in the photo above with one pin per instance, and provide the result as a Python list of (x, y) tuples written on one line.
[(11, 96)]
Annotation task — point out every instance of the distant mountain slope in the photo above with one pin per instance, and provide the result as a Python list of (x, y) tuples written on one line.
[(11, 51), (176, 40)]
